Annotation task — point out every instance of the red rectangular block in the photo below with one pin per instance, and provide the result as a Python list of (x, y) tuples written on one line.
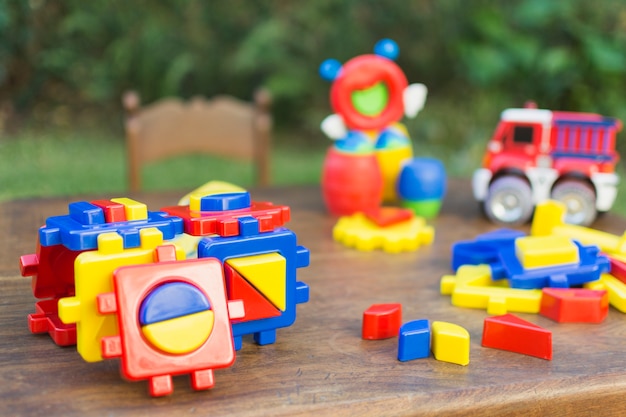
[(574, 305), (509, 332)]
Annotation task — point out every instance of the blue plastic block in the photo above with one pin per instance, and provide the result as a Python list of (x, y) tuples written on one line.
[(265, 338), (484, 249), (74, 235), (591, 265), (86, 213), (281, 240), (225, 201), (172, 300), (248, 226), (414, 340)]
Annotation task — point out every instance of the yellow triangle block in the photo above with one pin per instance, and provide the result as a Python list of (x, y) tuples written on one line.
[(267, 273)]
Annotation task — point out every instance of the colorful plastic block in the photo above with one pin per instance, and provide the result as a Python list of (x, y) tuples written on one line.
[(545, 251), (618, 269), (362, 234), (173, 318), (414, 340), (257, 305), (225, 223), (589, 268), (79, 229), (93, 276), (511, 333), (422, 185), (473, 287), (574, 305), (549, 219), (113, 212), (280, 242), (450, 343), (484, 249), (46, 320), (381, 321)]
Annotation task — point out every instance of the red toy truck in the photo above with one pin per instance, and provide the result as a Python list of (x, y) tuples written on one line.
[(536, 154)]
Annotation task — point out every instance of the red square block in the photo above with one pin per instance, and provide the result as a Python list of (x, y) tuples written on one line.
[(509, 332), (574, 305), (382, 321)]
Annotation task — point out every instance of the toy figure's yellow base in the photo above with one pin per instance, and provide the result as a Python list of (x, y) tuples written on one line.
[(359, 232)]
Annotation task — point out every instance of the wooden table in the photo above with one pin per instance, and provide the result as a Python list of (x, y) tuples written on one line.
[(320, 365)]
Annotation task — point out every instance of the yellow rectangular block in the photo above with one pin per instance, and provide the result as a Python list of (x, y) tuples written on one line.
[(134, 209), (542, 251)]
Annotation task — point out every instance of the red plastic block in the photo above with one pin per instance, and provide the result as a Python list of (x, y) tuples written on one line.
[(574, 305), (224, 223), (113, 212), (46, 319), (256, 305), (388, 216), (382, 321), (509, 332)]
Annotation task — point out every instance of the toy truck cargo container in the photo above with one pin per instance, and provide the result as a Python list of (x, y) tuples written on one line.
[(536, 154)]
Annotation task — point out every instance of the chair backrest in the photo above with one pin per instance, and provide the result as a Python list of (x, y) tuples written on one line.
[(223, 126)]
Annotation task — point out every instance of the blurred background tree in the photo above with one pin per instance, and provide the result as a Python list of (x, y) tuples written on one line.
[(68, 60)]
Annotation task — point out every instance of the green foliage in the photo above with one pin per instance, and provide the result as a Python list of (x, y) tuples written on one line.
[(83, 54)]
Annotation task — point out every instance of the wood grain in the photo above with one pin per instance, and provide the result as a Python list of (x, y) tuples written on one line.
[(320, 365)]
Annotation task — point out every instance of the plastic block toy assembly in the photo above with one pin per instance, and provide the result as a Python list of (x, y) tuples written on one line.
[(261, 268), (450, 343), (381, 321), (509, 332), (360, 232), (414, 340), (173, 318), (574, 305)]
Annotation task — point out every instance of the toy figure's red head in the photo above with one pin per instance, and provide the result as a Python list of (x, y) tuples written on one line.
[(367, 91)]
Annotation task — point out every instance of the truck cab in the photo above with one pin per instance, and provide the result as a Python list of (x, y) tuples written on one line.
[(538, 154)]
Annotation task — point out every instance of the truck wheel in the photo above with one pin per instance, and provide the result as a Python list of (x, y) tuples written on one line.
[(509, 201), (579, 199)]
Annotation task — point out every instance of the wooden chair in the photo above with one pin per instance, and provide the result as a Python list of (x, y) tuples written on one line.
[(223, 126)]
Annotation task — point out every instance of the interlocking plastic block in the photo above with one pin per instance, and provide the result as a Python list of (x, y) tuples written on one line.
[(282, 242), (51, 269), (549, 220), (267, 273), (46, 320), (414, 340), (574, 305), (93, 276), (509, 332), (176, 339), (450, 343), (257, 305), (225, 223), (484, 249), (362, 234), (473, 287), (589, 268), (113, 212), (381, 321), (388, 216), (79, 230), (545, 251), (222, 202)]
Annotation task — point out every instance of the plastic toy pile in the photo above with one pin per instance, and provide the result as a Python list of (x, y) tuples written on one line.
[(568, 273), (371, 161), (112, 278)]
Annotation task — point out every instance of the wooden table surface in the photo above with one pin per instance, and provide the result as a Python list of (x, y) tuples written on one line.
[(320, 365)]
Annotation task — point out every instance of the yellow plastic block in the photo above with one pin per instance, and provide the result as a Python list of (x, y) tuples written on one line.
[(359, 232), (472, 287), (93, 275), (542, 251), (181, 334), (134, 209), (391, 162), (267, 273), (549, 220), (450, 343), (193, 199)]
